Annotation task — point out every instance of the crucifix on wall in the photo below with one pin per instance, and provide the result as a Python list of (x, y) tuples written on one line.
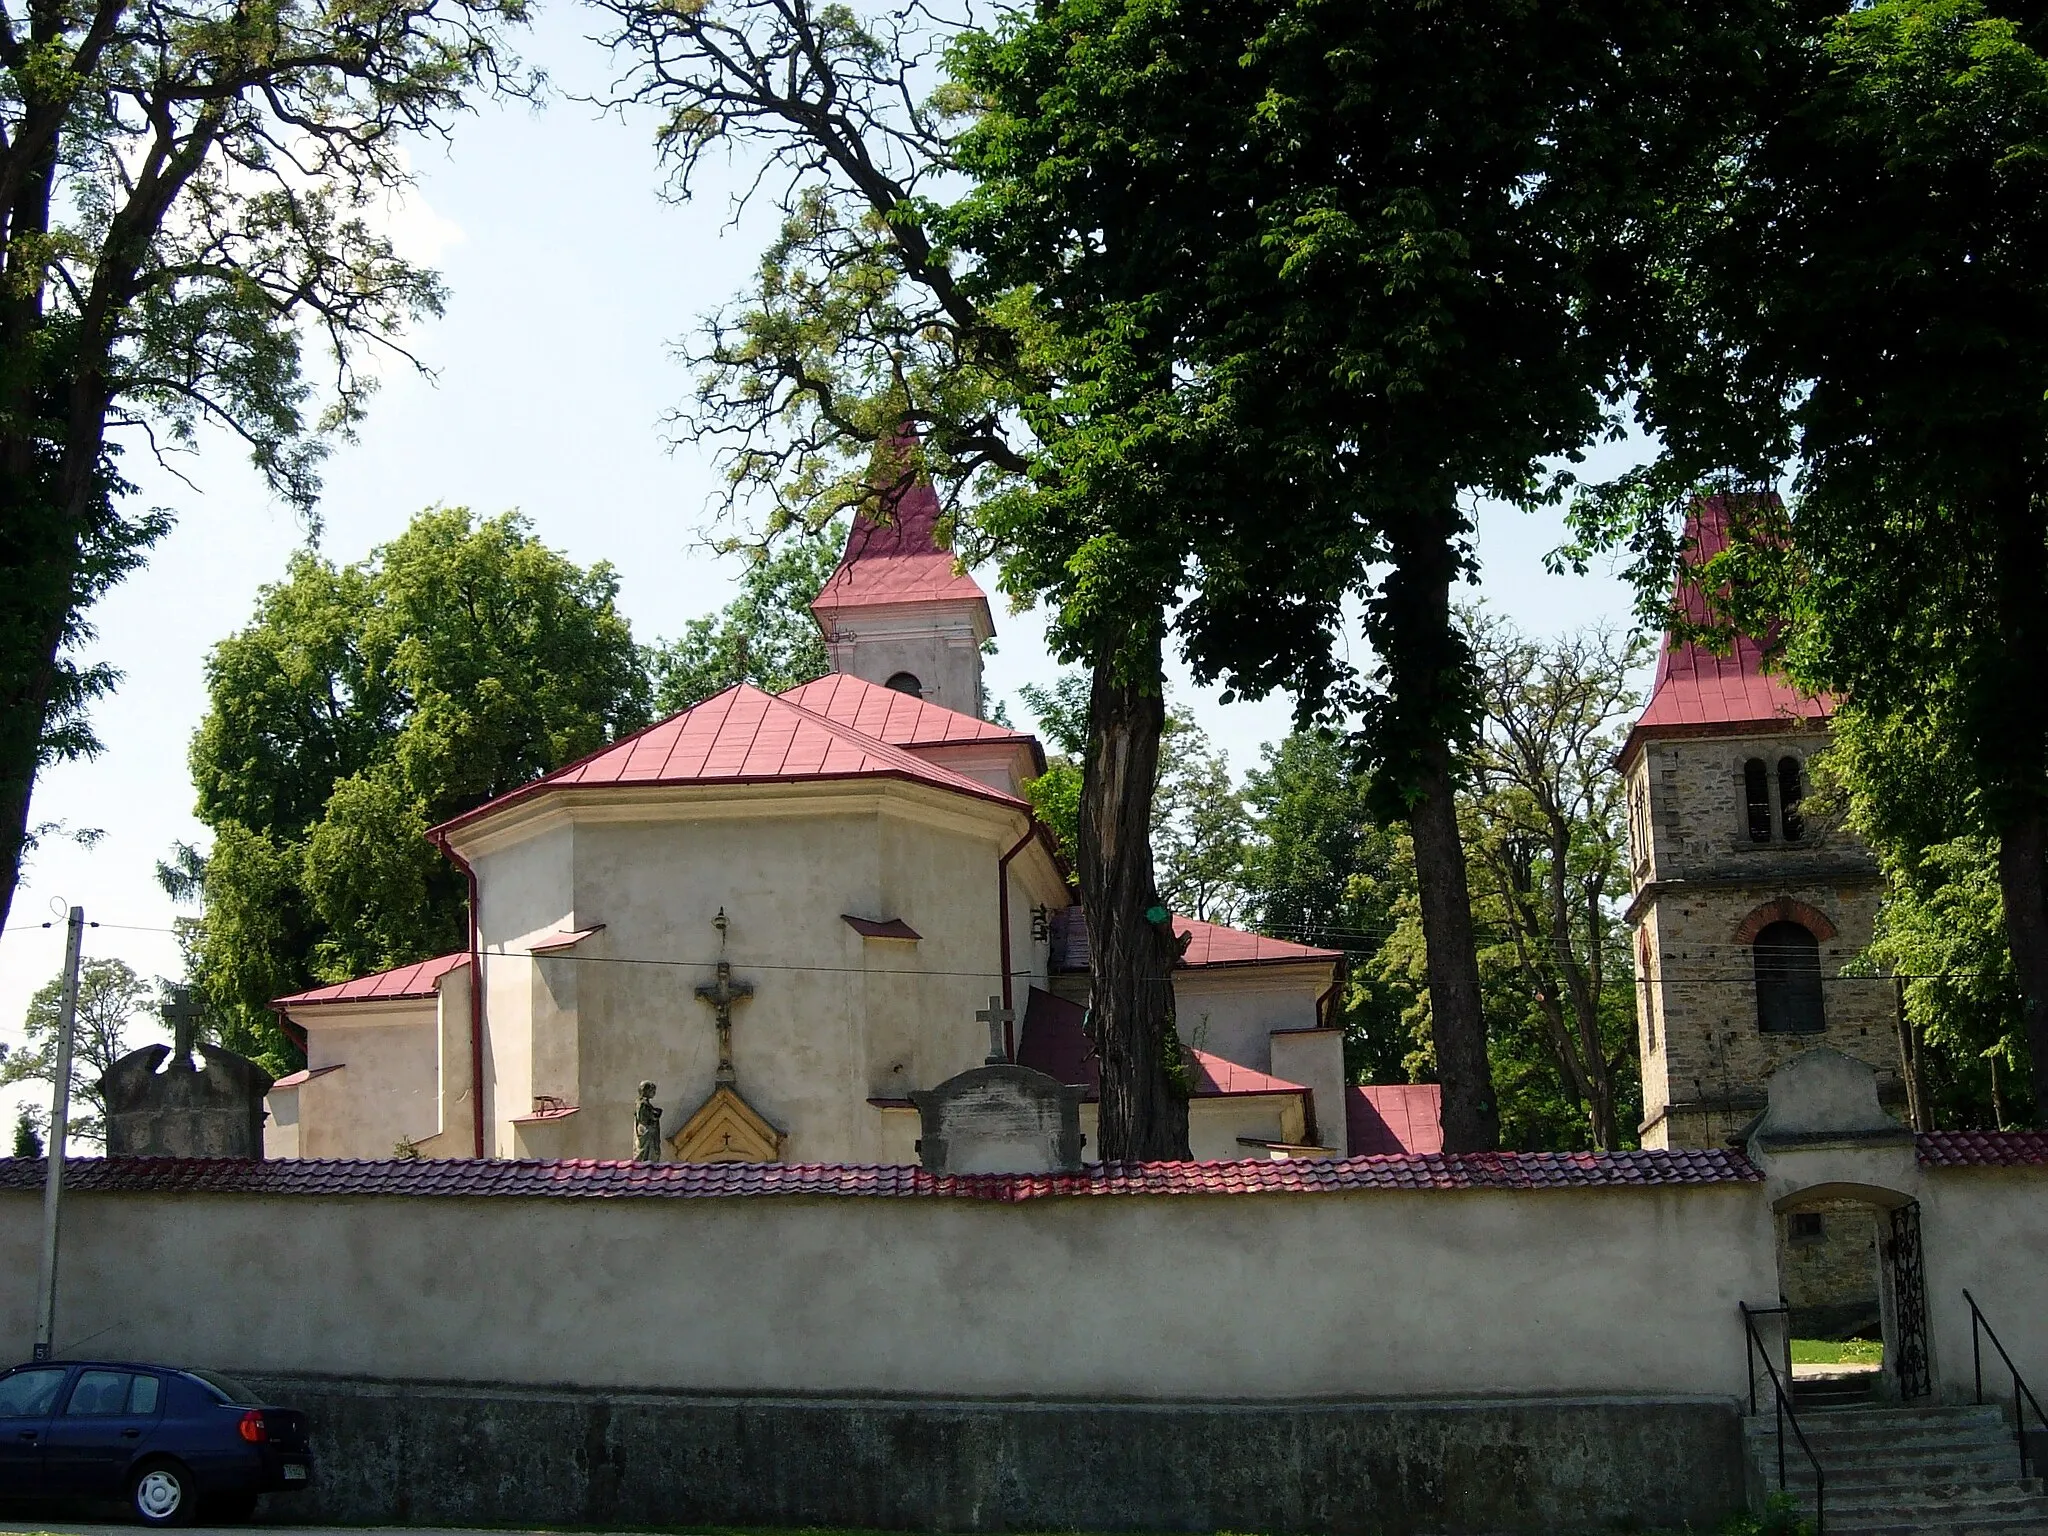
[(721, 994), (997, 1018)]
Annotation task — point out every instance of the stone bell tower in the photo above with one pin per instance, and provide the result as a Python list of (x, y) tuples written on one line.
[(896, 612), (1745, 904)]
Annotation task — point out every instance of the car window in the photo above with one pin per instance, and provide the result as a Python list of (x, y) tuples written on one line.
[(99, 1392), (142, 1395), (29, 1394), (226, 1389)]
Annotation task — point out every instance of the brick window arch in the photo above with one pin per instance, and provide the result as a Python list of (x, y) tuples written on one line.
[(1785, 910)]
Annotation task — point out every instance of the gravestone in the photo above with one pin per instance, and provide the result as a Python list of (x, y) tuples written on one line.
[(1000, 1119), (184, 1100)]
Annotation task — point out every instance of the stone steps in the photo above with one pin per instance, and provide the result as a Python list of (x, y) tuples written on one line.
[(1907, 1471)]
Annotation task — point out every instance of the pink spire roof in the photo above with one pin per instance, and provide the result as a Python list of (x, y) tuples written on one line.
[(898, 560), (420, 979), (900, 719), (1700, 693), (740, 736)]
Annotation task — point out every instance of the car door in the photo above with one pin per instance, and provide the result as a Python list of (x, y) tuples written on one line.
[(106, 1418), (26, 1397)]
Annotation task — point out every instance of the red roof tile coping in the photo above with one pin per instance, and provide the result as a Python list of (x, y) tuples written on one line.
[(1698, 692), (470, 1178), (900, 719), (1393, 1118), (899, 560), (421, 979), (740, 736), (1984, 1149)]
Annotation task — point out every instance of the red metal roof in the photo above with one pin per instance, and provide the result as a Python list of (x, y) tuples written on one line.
[(1383, 1118), (420, 979), (881, 928), (900, 719), (1210, 944), (1698, 692), (305, 1075), (473, 1178), (1984, 1149), (741, 736), (898, 560)]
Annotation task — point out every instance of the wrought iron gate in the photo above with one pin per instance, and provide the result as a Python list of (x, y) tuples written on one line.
[(1909, 1302)]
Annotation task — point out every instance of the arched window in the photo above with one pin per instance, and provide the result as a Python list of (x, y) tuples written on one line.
[(1788, 1000), (906, 682), (1791, 790), (1756, 791)]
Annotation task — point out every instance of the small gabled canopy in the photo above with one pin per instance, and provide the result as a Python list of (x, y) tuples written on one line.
[(420, 979)]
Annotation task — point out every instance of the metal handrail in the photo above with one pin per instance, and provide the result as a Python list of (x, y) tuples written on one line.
[(2020, 1389), (1756, 1348)]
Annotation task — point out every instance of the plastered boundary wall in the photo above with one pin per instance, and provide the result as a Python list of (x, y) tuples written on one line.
[(1188, 1298)]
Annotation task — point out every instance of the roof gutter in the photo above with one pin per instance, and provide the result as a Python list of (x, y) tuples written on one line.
[(439, 839)]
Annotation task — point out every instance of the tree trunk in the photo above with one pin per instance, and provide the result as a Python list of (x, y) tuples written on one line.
[(1470, 1115), (2014, 745), (1430, 701), (1146, 1075), (2023, 882)]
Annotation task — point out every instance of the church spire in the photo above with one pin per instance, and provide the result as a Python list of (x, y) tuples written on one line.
[(897, 611)]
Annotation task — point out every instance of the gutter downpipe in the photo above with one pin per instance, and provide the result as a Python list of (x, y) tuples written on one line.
[(1003, 918), (476, 990)]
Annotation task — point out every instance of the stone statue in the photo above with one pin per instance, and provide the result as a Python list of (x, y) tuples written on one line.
[(647, 1127), (188, 1099)]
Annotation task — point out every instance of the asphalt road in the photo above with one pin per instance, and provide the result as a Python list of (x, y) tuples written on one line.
[(77, 1528)]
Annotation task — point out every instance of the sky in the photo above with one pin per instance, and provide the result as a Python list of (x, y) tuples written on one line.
[(571, 281)]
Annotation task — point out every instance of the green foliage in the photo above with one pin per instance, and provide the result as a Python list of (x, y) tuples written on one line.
[(110, 995), (363, 705), (765, 636), (193, 192), (28, 1140), (1862, 295), (1319, 869), (1199, 824)]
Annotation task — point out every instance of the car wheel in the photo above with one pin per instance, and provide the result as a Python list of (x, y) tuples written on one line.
[(162, 1494)]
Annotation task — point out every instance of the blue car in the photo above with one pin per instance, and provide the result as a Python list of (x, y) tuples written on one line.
[(173, 1444)]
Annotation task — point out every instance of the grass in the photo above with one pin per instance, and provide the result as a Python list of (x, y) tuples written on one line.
[(1828, 1352)]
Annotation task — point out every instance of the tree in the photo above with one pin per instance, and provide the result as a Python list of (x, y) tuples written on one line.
[(110, 995), (1546, 829), (28, 1140), (1199, 824), (1320, 869), (765, 636), (1908, 792), (1863, 293), (1359, 261), (185, 196), (361, 706)]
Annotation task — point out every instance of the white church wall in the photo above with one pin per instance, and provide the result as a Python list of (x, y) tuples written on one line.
[(1187, 1297), (1315, 1059), (834, 1019), (387, 1088), (1232, 1011), (1987, 1229)]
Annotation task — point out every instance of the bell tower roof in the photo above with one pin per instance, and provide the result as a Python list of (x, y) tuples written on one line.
[(898, 611), (1699, 692), (897, 560)]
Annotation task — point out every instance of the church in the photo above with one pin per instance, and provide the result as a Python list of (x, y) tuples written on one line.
[(788, 913)]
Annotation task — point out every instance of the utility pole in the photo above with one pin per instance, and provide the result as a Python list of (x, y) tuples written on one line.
[(60, 1125)]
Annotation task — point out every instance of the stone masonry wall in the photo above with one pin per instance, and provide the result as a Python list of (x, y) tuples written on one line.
[(1831, 1281), (1699, 877)]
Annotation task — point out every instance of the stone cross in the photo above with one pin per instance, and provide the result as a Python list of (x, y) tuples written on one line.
[(183, 1015), (721, 995), (996, 1016)]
